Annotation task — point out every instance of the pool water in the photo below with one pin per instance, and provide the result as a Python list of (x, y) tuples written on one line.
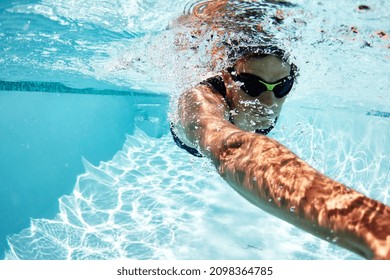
[(87, 165)]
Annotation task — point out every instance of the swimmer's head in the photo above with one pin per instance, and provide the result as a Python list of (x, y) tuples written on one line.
[(257, 85), (236, 53)]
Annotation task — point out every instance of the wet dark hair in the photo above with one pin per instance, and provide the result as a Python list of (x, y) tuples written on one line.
[(236, 53)]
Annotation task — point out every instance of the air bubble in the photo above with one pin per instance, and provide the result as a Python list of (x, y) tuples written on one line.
[(233, 113)]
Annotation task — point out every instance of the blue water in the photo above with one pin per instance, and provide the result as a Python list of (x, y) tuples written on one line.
[(88, 169)]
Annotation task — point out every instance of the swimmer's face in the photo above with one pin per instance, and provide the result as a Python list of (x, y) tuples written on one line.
[(251, 113)]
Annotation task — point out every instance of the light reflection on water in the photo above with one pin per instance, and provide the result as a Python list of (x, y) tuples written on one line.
[(139, 204)]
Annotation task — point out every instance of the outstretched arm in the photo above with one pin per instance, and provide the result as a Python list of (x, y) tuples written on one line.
[(273, 178)]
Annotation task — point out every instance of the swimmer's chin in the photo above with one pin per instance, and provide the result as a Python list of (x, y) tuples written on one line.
[(257, 125), (253, 123), (263, 122)]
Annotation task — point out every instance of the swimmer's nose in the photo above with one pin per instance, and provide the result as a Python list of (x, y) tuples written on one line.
[(267, 98)]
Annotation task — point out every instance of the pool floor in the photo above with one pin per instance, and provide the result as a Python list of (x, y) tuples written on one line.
[(45, 135)]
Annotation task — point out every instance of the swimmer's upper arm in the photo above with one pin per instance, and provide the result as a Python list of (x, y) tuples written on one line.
[(198, 107)]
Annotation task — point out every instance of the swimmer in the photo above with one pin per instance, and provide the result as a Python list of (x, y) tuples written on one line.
[(251, 93), (226, 119)]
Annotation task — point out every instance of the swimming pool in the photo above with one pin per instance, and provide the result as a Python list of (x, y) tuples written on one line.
[(86, 154)]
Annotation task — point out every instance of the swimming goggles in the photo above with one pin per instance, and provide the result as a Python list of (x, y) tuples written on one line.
[(254, 86)]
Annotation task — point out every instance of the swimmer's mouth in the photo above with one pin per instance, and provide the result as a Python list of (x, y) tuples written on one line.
[(262, 116)]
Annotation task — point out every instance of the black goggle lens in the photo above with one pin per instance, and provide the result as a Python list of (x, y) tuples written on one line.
[(254, 86)]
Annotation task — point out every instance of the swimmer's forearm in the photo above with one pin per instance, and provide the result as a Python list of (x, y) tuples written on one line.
[(270, 176), (276, 180)]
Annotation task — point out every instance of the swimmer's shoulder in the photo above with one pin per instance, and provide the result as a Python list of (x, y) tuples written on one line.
[(216, 84), (213, 86)]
